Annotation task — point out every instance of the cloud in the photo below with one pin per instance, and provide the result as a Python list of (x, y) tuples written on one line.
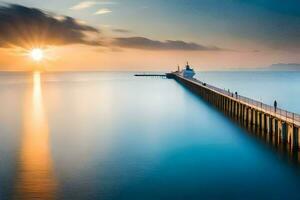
[(148, 44), (102, 11), (24, 27), (120, 30), (107, 3), (30, 27), (83, 5), (87, 4)]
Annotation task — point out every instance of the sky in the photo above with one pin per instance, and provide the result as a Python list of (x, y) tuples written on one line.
[(149, 35)]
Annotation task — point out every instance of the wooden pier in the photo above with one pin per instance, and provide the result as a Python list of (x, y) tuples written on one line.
[(283, 126)]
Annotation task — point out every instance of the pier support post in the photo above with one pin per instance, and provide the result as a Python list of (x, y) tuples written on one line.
[(271, 125), (235, 109), (257, 119), (229, 106), (260, 120), (265, 122), (262, 117), (284, 134), (253, 116), (290, 129), (241, 111), (268, 123), (246, 114), (250, 116), (275, 129), (295, 137)]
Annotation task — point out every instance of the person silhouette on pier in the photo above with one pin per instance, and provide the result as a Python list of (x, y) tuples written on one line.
[(275, 105)]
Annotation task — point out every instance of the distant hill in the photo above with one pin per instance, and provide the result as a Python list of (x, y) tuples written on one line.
[(285, 66)]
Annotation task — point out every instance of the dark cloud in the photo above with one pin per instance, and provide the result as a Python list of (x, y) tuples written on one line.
[(22, 26), (148, 44), (30, 27)]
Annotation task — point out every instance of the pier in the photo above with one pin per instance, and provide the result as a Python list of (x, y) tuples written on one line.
[(152, 75), (280, 125)]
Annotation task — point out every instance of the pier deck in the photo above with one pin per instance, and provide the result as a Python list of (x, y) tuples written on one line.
[(151, 75)]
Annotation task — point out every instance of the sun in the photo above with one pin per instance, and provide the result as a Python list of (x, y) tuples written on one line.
[(37, 54)]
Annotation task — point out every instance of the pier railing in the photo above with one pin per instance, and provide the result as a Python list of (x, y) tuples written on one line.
[(278, 112)]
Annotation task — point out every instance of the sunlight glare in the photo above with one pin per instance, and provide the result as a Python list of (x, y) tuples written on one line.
[(37, 54)]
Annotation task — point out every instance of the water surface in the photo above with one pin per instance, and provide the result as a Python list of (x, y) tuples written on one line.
[(115, 136)]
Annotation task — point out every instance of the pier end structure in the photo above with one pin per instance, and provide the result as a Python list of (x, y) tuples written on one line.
[(280, 125)]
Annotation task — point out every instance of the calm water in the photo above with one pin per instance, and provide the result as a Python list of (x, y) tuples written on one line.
[(115, 136)]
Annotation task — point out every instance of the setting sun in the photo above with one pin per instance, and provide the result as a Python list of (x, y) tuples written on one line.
[(37, 54)]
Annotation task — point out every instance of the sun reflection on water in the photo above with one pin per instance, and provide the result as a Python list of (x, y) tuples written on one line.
[(35, 177)]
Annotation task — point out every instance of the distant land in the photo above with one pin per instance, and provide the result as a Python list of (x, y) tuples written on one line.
[(285, 66)]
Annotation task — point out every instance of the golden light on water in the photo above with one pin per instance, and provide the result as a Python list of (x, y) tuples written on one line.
[(35, 177), (37, 54)]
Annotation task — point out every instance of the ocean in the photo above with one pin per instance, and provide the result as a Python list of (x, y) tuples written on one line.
[(105, 135)]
